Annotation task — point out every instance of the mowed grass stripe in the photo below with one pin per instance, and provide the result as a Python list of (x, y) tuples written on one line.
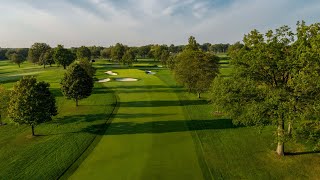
[(148, 138)]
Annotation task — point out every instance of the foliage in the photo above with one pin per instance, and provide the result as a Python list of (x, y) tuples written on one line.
[(84, 53), (117, 52), (63, 56), (17, 58), (87, 66), (31, 102), (106, 53), (128, 58), (275, 81), (195, 69), (46, 58), (36, 50), (76, 84)]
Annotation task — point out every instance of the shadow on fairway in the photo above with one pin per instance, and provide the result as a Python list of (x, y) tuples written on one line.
[(162, 103), (162, 127)]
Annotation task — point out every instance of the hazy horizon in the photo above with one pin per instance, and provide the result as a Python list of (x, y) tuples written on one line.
[(140, 22)]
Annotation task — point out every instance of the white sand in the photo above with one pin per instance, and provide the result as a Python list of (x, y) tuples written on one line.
[(104, 80), (126, 79), (111, 73)]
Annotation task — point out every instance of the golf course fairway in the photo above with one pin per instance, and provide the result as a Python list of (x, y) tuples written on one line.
[(148, 137)]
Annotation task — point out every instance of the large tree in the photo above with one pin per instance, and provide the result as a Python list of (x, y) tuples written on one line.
[(117, 52), (31, 102), (128, 57), (195, 69), (63, 56), (36, 50), (46, 58), (275, 80), (17, 58), (84, 53), (77, 84)]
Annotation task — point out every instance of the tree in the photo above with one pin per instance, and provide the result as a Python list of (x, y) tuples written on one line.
[(143, 51), (95, 51), (84, 53), (164, 57), (128, 58), (195, 69), (36, 50), (63, 56), (193, 45), (106, 53), (117, 52), (4, 99), (17, 58), (76, 83), (275, 81), (87, 66), (31, 102), (46, 58)]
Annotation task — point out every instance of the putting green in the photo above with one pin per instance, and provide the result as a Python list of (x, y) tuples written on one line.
[(148, 137)]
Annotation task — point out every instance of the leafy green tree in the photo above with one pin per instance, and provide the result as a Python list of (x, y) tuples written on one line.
[(31, 102), (84, 53), (87, 66), (195, 69), (4, 99), (17, 58), (46, 58), (117, 52), (275, 81), (95, 51), (128, 57), (193, 45), (106, 53), (143, 51), (76, 84), (36, 50), (63, 56), (164, 57)]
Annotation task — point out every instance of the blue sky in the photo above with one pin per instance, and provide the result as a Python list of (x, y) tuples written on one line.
[(139, 22)]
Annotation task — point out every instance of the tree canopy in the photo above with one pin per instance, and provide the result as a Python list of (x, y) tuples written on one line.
[(36, 50), (76, 84), (84, 53), (276, 80), (31, 102), (195, 69), (63, 56)]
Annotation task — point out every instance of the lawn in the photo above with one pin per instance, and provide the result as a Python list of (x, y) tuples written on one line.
[(60, 142)]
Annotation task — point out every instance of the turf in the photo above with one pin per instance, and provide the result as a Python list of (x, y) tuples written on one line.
[(148, 137), (60, 142)]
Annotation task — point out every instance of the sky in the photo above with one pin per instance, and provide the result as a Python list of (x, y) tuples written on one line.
[(140, 22)]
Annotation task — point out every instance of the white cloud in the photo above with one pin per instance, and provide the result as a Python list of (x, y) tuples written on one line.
[(138, 22)]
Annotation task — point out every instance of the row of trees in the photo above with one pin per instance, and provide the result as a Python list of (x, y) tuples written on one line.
[(31, 102)]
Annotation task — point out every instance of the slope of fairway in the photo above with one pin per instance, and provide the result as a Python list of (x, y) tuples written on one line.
[(60, 142), (148, 138)]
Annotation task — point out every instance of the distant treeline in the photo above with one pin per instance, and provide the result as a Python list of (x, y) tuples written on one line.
[(152, 51)]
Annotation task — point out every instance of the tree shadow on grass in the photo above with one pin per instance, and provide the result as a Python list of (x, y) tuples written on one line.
[(156, 127), (79, 119), (162, 103), (301, 153)]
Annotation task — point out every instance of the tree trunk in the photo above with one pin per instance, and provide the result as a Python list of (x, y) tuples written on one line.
[(44, 65), (77, 103), (19, 65), (199, 95), (64, 66), (280, 148), (32, 128), (290, 129)]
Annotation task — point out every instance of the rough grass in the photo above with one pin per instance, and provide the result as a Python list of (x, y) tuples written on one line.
[(60, 142)]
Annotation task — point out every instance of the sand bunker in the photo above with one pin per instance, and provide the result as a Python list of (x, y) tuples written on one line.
[(111, 73), (126, 79), (104, 80)]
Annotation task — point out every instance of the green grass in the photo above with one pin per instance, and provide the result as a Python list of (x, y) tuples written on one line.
[(159, 131), (61, 141), (148, 137)]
